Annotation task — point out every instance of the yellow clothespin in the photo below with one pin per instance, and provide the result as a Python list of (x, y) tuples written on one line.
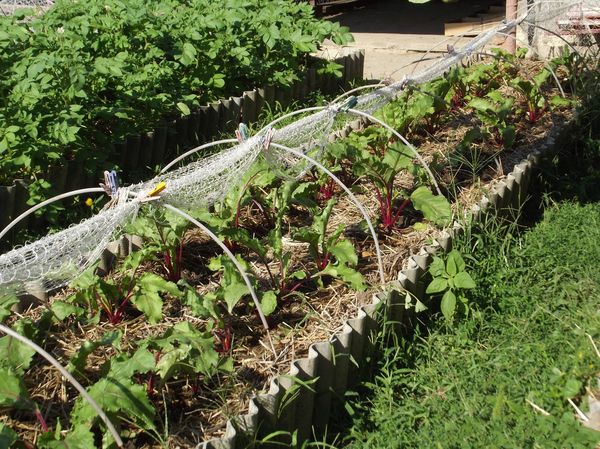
[(153, 194), (159, 188)]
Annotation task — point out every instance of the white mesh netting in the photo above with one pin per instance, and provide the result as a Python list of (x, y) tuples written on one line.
[(55, 260)]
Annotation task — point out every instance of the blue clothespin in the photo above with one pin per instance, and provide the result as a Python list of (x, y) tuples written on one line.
[(242, 132), (111, 183), (350, 103)]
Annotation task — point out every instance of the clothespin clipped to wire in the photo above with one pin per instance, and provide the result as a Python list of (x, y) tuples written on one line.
[(242, 132), (404, 82), (153, 195), (349, 104), (111, 183), (266, 143)]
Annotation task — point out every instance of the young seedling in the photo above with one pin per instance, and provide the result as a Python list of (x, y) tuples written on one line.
[(332, 254), (450, 280), (163, 234), (494, 111)]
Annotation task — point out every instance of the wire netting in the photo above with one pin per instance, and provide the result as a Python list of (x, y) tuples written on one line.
[(57, 259)]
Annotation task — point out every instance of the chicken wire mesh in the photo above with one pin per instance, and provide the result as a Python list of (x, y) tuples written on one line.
[(57, 259)]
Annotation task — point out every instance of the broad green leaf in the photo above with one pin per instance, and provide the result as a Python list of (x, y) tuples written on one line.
[(202, 306), (6, 304), (268, 302), (435, 208), (80, 437), (437, 285), (147, 298), (344, 253), (124, 366), (481, 105), (150, 304), (184, 108), (77, 362), (349, 275), (116, 396), (448, 305), (151, 282), (62, 309), (464, 280), (455, 263), (437, 267), (397, 157), (8, 437), (12, 388), (14, 354), (233, 292), (168, 361), (558, 101)]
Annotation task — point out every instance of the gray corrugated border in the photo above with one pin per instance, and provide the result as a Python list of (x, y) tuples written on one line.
[(331, 366)]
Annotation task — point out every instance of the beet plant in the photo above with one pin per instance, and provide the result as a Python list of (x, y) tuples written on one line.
[(332, 254), (531, 92), (131, 288), (495, 111), (163, 234)]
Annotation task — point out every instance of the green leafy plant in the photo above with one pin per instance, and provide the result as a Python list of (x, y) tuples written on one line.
[(532, 93), (382, 172), (79, 78), (114, 296), (450, 279), (494, 111), (332, 254), (163, 233)]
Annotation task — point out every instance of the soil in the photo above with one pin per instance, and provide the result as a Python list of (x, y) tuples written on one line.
[(198, 409)]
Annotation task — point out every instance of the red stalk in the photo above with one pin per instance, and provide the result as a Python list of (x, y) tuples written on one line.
[(41, 419)]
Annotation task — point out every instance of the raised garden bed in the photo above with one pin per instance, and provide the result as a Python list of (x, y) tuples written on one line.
[(193, 352), (106, 84)]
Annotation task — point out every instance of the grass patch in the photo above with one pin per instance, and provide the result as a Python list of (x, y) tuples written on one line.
[(526, 342)]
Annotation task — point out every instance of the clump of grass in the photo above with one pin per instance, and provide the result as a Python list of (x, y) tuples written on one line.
[(503, 377)]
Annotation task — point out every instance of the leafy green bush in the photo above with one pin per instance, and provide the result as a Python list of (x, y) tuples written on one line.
[(86, 74)]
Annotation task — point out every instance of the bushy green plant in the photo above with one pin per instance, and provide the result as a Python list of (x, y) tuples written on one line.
[(450, 279), (85, 74)]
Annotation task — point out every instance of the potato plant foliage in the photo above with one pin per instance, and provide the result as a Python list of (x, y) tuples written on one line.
[(86, 74)]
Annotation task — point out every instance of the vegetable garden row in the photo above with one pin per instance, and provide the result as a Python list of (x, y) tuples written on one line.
[(169, 343), (80, 78)]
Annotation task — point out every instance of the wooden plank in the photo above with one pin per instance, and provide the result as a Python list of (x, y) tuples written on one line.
[(467, 28), (429, 42)]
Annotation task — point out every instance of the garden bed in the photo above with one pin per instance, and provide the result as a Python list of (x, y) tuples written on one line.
[(211, 354), (106, 84)]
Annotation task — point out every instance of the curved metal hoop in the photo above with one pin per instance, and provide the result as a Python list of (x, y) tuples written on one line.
[(373, 119), (195, 150), (237, 264), (69, 377), (357, 203), (28, 212)]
